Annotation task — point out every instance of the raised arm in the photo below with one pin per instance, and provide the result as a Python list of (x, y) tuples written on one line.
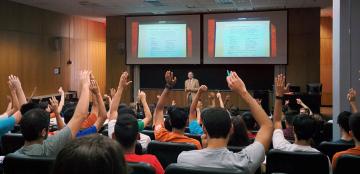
[(280, 89), (54, 106), (352, 100), (193, 108), (159, 110), (14, 100), (81, 111), (264, 135), (211, 97), (302, 104), (98, 100), (19, 91), (218, 95), (62, 99), (123, 83), (148, 116)]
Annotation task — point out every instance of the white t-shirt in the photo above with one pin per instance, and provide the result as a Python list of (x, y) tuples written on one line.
[(246, 161), (279, 142), (144, 139)]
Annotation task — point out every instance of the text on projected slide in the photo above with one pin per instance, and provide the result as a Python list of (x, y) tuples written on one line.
[(162, 40), (242, 39)]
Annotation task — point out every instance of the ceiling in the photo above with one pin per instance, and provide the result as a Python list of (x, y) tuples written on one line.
[(102, 8)]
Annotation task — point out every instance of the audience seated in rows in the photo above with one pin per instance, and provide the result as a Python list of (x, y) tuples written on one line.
[(218, 128)]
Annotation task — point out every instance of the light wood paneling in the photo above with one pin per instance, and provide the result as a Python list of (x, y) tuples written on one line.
[(27, 49), (326, 59)]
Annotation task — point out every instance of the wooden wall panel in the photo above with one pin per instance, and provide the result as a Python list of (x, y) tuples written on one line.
[(303, 47), (27, 49), (326, 59)]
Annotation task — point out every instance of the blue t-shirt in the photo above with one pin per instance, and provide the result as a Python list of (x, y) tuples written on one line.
[(6, 124), (88, 131), (195, 128)]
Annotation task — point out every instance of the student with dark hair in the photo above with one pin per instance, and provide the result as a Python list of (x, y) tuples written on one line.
[(354, 124), (304, 125), (92, 154), (217, 127), (116, 108), (250, 124), (289, 130), (178, 118), (34, 126), (343, 121), (240, 135), (127, 133)]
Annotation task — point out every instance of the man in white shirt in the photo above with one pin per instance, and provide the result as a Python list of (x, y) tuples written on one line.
[(217, 128), (304, 125)]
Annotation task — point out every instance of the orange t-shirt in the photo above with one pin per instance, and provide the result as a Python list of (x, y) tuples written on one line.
[(91, 119), (161, 134), (352, 151)]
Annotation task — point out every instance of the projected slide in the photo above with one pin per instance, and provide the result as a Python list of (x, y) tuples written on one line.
[(162, 41), (242, 39)]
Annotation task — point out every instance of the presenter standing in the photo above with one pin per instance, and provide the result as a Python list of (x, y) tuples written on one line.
[(191, 87)]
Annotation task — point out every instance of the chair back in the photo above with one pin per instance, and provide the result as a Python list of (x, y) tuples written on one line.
[(330, 148), (347, 164), (168, 152), (11, 142), (296, 162), (141, 168), (180, 169), (20, 164)]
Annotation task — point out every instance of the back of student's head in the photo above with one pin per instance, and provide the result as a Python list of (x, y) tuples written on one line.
[(126, 130), (92, 154), (354, 123), (249, 120), (28, 106), (126, 110), (68, 114), (178, 117), (240, 136), (289, 117), (304, 127), (234, 111), (343, 120), (33, 123), (217, 122)]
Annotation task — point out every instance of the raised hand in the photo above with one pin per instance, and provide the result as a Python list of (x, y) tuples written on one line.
[(351, 96), (142, 95), (170, 79), (235, 83), (54, 105), (280, 87), (112, 92), (61, 91), (203, 88), (218, 95), (94, 87), (15, 82), (124, 80), (299, 101), (85, 78)]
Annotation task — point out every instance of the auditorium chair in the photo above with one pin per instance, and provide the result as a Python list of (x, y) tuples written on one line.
[(347, 164), (330, 148), (196, 137), (296, 162), (140, 168), (11, 142), (327, 131), (20, 164), (149, 133), (235, 149), (181, 169), (168, 152), (139, 149)]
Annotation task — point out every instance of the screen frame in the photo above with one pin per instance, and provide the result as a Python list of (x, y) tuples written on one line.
[(191, 20), (281, 59)]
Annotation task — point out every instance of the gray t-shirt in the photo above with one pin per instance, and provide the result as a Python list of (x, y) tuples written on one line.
[(246, 161), (50, 147)]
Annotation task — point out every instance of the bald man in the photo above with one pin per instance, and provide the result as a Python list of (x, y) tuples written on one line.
[(191, 87)]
